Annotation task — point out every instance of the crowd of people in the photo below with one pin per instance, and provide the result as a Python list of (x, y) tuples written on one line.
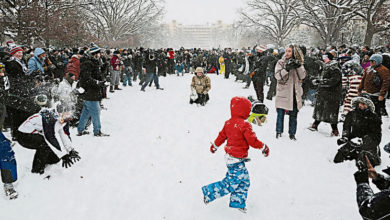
[(45, 91)]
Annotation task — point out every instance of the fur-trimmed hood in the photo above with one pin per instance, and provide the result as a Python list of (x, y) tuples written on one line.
[(357, 100)]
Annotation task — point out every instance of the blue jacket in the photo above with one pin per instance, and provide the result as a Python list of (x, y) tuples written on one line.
[(180, 68), (34, 62)]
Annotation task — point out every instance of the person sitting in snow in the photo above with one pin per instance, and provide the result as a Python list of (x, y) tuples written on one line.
[(47, 132), (8, 167), (201, 84), (239, 135)]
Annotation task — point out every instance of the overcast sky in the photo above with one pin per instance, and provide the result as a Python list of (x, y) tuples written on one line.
[(201, 11)]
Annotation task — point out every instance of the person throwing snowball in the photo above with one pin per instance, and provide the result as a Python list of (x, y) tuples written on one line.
[(239, 135)]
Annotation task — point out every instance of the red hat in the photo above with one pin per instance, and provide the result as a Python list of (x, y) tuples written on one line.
[(14, 50)]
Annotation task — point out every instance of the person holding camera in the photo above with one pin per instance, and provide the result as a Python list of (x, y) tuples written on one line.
[(289, 73), (376, 82), (372, 205), (361, 134), (329, 87)]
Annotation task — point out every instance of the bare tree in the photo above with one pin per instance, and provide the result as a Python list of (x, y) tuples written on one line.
[(376, 14), (113, 20), (42, 21), (325, 19), (276, 18)]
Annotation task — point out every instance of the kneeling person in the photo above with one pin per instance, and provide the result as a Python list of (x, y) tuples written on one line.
[(47, 132), (202, 85)]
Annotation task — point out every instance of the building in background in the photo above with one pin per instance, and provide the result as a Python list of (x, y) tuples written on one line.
[(200, 36)]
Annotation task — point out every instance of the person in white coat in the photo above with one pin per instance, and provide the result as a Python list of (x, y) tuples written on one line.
[(47, 132)]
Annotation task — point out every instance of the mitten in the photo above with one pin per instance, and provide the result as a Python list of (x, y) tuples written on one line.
[(265, 150)]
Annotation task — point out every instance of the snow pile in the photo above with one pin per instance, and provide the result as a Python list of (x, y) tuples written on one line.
[(157, 159)]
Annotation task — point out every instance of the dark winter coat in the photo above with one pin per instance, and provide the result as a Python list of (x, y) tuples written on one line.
[(329, 94), (21, 92), (90, 80), (366, 125), (150, 65), (261, 65), (374, 206), (238, 131)]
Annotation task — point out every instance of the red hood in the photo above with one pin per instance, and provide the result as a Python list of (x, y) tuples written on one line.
[(240, 107)]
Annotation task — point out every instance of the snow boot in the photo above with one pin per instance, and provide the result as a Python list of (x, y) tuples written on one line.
[(292, 137), (10, 191), (278, 135), (112, 89), (117, 87), (82, 133), (335, 133), (205, 200), (100, 134), (314, 127), (243, 210)]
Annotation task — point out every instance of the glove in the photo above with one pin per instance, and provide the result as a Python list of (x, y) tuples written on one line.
[(67, 161), (213, 148), (387, 148), (101, 83), (265, 151), (74, 156), (316, 82), (357, 141), (292, 64), (252, 74), (361, 177), (342, 141)]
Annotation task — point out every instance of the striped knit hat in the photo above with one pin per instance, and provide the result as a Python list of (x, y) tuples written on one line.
[(14, 49)]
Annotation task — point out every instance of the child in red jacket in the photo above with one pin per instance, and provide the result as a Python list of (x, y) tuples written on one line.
[(239, 135)]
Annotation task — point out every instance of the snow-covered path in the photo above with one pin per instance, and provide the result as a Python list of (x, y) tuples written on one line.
[(157, 159)]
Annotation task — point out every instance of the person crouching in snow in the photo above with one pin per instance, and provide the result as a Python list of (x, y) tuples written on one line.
[(47, 132), (201, 84), (239, 135)]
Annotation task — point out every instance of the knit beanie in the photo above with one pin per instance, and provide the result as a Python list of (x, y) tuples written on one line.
[(377, 58)]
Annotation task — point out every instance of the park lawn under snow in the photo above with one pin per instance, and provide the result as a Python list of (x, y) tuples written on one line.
[(157, 159)]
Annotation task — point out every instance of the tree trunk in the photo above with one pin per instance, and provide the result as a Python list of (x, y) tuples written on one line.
[(369, 34)]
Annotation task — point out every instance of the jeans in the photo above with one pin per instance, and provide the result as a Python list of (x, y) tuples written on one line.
[(91, 109), (236, 183), (150, 77), (292, 127), (127, 79), (311, 96)]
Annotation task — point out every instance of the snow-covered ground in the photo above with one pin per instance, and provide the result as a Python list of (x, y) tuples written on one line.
[(157, 159)]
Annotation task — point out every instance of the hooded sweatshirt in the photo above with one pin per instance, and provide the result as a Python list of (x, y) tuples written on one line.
[(34, 62), (238, 131)]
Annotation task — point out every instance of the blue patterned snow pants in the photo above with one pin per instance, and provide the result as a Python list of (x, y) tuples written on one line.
[(236, 183)]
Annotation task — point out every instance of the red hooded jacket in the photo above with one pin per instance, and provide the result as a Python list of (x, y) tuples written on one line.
[(238, 131)]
